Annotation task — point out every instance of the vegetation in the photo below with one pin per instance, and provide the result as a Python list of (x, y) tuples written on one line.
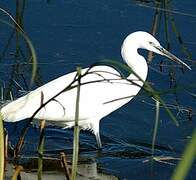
[(189, 154), (187, 160), (2, 151)]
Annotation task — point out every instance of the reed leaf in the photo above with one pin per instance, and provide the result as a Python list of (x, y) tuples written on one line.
[(76, 129), (2, 154), (155, 126), (188, 157)]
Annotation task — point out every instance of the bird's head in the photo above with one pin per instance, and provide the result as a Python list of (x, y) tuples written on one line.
[(144, 40)]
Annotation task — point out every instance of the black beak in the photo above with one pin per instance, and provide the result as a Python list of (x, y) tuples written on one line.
[(169, 55)]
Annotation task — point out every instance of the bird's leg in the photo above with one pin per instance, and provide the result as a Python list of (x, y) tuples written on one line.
[(97, 135), (95, 128)]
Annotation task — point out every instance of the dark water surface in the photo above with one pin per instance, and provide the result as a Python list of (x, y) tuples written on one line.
[(70, 33)]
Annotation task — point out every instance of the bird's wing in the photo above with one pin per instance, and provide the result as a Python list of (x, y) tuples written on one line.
[(101, 92), (25, 106)]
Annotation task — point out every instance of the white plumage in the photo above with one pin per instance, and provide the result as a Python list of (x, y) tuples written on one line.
[(103, 90)]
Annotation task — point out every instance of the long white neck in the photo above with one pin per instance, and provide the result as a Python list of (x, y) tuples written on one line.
[(135, 61)]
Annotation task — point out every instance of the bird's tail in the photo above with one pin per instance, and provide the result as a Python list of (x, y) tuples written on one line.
[(14, 111)]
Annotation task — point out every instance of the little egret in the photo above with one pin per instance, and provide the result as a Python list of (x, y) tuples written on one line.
[(102, 91)]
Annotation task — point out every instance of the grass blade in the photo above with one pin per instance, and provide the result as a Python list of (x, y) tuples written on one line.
[(187, 159), (155, 126), (76, 130), (2, 155)]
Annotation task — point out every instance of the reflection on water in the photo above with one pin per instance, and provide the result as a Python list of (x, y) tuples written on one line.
[(55, 171), (113, 151)]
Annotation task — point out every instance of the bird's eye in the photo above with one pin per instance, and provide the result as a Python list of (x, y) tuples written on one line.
[(151, 43)]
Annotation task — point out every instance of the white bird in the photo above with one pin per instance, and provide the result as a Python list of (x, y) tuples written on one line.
[(102, 91)]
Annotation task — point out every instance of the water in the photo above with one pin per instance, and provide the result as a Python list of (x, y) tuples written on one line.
[(70, 33)]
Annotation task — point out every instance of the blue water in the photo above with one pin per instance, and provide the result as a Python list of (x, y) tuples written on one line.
[(70, 33)]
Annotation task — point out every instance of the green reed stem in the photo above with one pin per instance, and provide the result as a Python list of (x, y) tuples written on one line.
[(76, 130), (155, 126), (2, 155), (188, 157)]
